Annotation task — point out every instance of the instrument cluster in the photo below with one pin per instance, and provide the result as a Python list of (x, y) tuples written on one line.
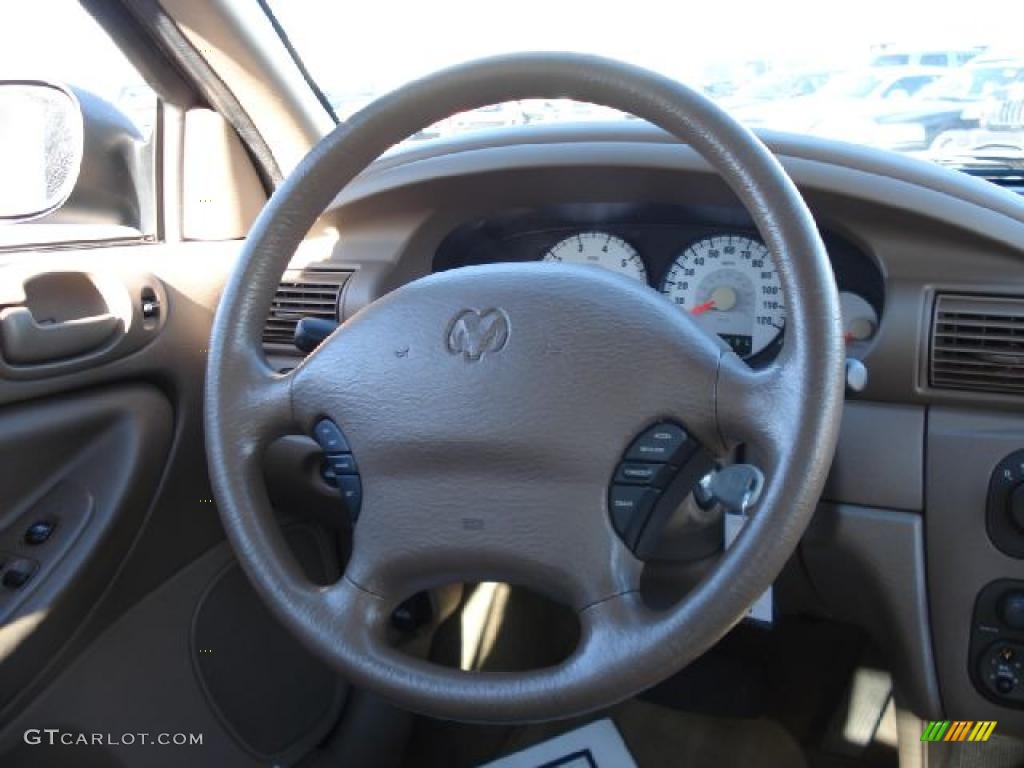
[(710, 263)]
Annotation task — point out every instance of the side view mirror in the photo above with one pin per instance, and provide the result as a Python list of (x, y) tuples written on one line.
[(41, 147)]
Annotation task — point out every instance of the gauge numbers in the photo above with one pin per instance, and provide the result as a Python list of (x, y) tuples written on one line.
[(599, 249), (728, 283)]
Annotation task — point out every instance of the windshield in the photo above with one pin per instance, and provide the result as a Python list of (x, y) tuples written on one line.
[(852, 85), (873, 72), (786, 85), (975, 82)]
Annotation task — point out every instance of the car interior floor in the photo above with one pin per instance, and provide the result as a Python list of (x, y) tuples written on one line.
[(805, 692)]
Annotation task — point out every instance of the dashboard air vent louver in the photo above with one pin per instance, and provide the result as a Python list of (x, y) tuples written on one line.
[(978, 344), (1010, 178), (302, 294)]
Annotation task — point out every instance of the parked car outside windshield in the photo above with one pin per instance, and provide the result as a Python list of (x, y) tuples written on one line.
[(888, 74)]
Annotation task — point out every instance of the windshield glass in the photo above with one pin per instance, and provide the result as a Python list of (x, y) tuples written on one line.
[(852, 85), (786, 85), (878, 72), (975, 82)]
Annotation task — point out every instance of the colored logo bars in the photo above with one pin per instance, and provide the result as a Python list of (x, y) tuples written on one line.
[(958, 730)]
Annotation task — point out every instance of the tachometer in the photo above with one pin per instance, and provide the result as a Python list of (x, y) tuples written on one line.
[(730, 286), (599, 249)]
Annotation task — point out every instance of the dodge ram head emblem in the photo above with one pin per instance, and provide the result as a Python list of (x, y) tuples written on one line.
[(473, 333)]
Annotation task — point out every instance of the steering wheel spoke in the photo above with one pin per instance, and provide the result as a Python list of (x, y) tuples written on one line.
[(269, 404), (266, 411), (755, 407), (409, 539)]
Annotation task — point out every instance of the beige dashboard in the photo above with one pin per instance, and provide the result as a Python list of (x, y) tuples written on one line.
[(903, 543)]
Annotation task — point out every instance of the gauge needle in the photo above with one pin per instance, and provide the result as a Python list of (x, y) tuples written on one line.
[(723, 298)]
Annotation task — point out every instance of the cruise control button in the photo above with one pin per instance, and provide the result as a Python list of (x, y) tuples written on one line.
[(330, 437), (351, 489), (666, 443), (630, 507), (342, 464), (636, 473)]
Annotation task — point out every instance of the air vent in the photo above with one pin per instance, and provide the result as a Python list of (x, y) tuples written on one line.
[(1008, 177), (978, 344), (302, 294)]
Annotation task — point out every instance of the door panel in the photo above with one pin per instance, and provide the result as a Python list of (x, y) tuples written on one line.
[(126, 432), (114, 448), (86, 464), (199, 655)]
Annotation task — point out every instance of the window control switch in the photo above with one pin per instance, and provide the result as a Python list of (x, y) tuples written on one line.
[(17, 572), (39, 532)]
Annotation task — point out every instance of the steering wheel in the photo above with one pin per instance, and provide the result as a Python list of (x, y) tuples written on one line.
[(488, 407)]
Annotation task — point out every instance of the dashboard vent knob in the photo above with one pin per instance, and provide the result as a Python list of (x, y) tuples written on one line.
[(302, 294)]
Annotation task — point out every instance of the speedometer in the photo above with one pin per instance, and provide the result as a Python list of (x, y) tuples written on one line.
[(599, 249), (730, 286)]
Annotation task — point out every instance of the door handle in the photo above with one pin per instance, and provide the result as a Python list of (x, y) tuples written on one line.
[(25, 341)]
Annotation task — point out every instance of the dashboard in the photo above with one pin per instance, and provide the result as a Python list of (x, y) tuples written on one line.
[(708, 261), (915, 540)]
